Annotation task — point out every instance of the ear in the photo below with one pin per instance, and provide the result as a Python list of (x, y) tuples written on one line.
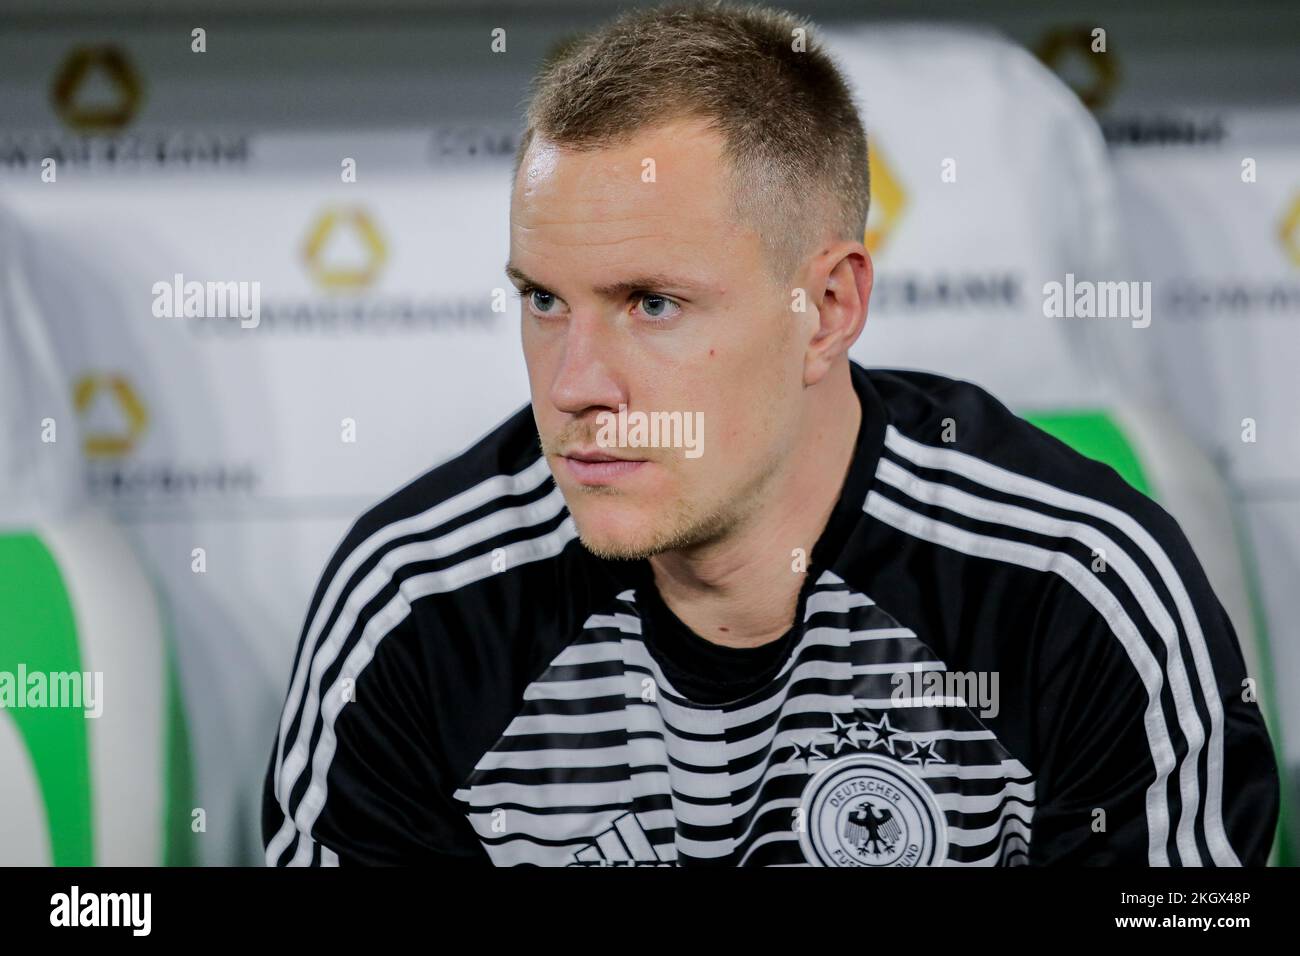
[(841, 306)]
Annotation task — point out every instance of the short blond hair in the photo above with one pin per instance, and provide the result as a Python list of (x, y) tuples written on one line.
[(793, 138)]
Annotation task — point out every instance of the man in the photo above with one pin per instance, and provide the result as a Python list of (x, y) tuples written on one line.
[(751, 604)]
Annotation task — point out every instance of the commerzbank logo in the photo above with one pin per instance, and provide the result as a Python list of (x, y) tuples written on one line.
[(344, 249), (96, 89), (1069, 53), (1289, 230), (887, 202), (111, 413)]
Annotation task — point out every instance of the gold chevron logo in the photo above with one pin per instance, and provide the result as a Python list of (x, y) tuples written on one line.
[(367, 260), (1065, 49), (888, 200), (79, 68), (116, 389)]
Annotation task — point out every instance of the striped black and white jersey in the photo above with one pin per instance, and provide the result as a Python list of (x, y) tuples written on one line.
[(1002, 654)]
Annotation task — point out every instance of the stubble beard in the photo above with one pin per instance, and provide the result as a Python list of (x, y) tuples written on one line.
[(683, 524)]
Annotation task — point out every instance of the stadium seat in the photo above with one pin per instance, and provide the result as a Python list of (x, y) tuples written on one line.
[(96, 769)]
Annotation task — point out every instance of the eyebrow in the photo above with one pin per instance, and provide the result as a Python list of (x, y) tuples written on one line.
[(616, 290)]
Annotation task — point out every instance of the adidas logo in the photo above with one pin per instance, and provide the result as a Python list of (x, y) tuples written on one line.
[(623, 844)]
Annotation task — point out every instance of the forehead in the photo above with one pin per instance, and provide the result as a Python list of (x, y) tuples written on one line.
[(658, 199)]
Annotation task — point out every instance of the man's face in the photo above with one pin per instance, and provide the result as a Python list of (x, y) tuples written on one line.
[(649, 294)]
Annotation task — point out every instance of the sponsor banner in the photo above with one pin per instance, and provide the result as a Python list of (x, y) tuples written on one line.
[(1223, 257), (275, 343)]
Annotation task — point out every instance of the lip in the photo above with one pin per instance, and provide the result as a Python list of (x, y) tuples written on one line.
[(593, 467)]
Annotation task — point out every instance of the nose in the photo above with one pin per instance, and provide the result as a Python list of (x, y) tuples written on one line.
[(586, 380)]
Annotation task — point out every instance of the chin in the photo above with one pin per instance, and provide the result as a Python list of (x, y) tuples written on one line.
[(611, 527), (612, 530)]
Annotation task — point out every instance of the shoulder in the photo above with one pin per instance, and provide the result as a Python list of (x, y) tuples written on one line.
[(438, 603), (1008, 472), (485, 513), (468, 552), (1054, 569), (1021, 529)]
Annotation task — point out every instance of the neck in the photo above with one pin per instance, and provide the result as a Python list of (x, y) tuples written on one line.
[(742, 589)]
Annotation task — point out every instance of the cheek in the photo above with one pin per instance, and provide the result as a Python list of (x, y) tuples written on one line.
[(539, 358), (751, 421), (741, 391), (532, 345), (545, 415)]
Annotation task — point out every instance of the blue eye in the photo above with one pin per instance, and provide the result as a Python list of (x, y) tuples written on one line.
[(536, 298), (657, 306)]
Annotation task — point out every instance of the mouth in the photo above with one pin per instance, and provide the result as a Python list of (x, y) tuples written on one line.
[(596, 467)]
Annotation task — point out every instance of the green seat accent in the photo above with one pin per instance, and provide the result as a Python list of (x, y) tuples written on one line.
[(1096, 435), (38, 630)]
